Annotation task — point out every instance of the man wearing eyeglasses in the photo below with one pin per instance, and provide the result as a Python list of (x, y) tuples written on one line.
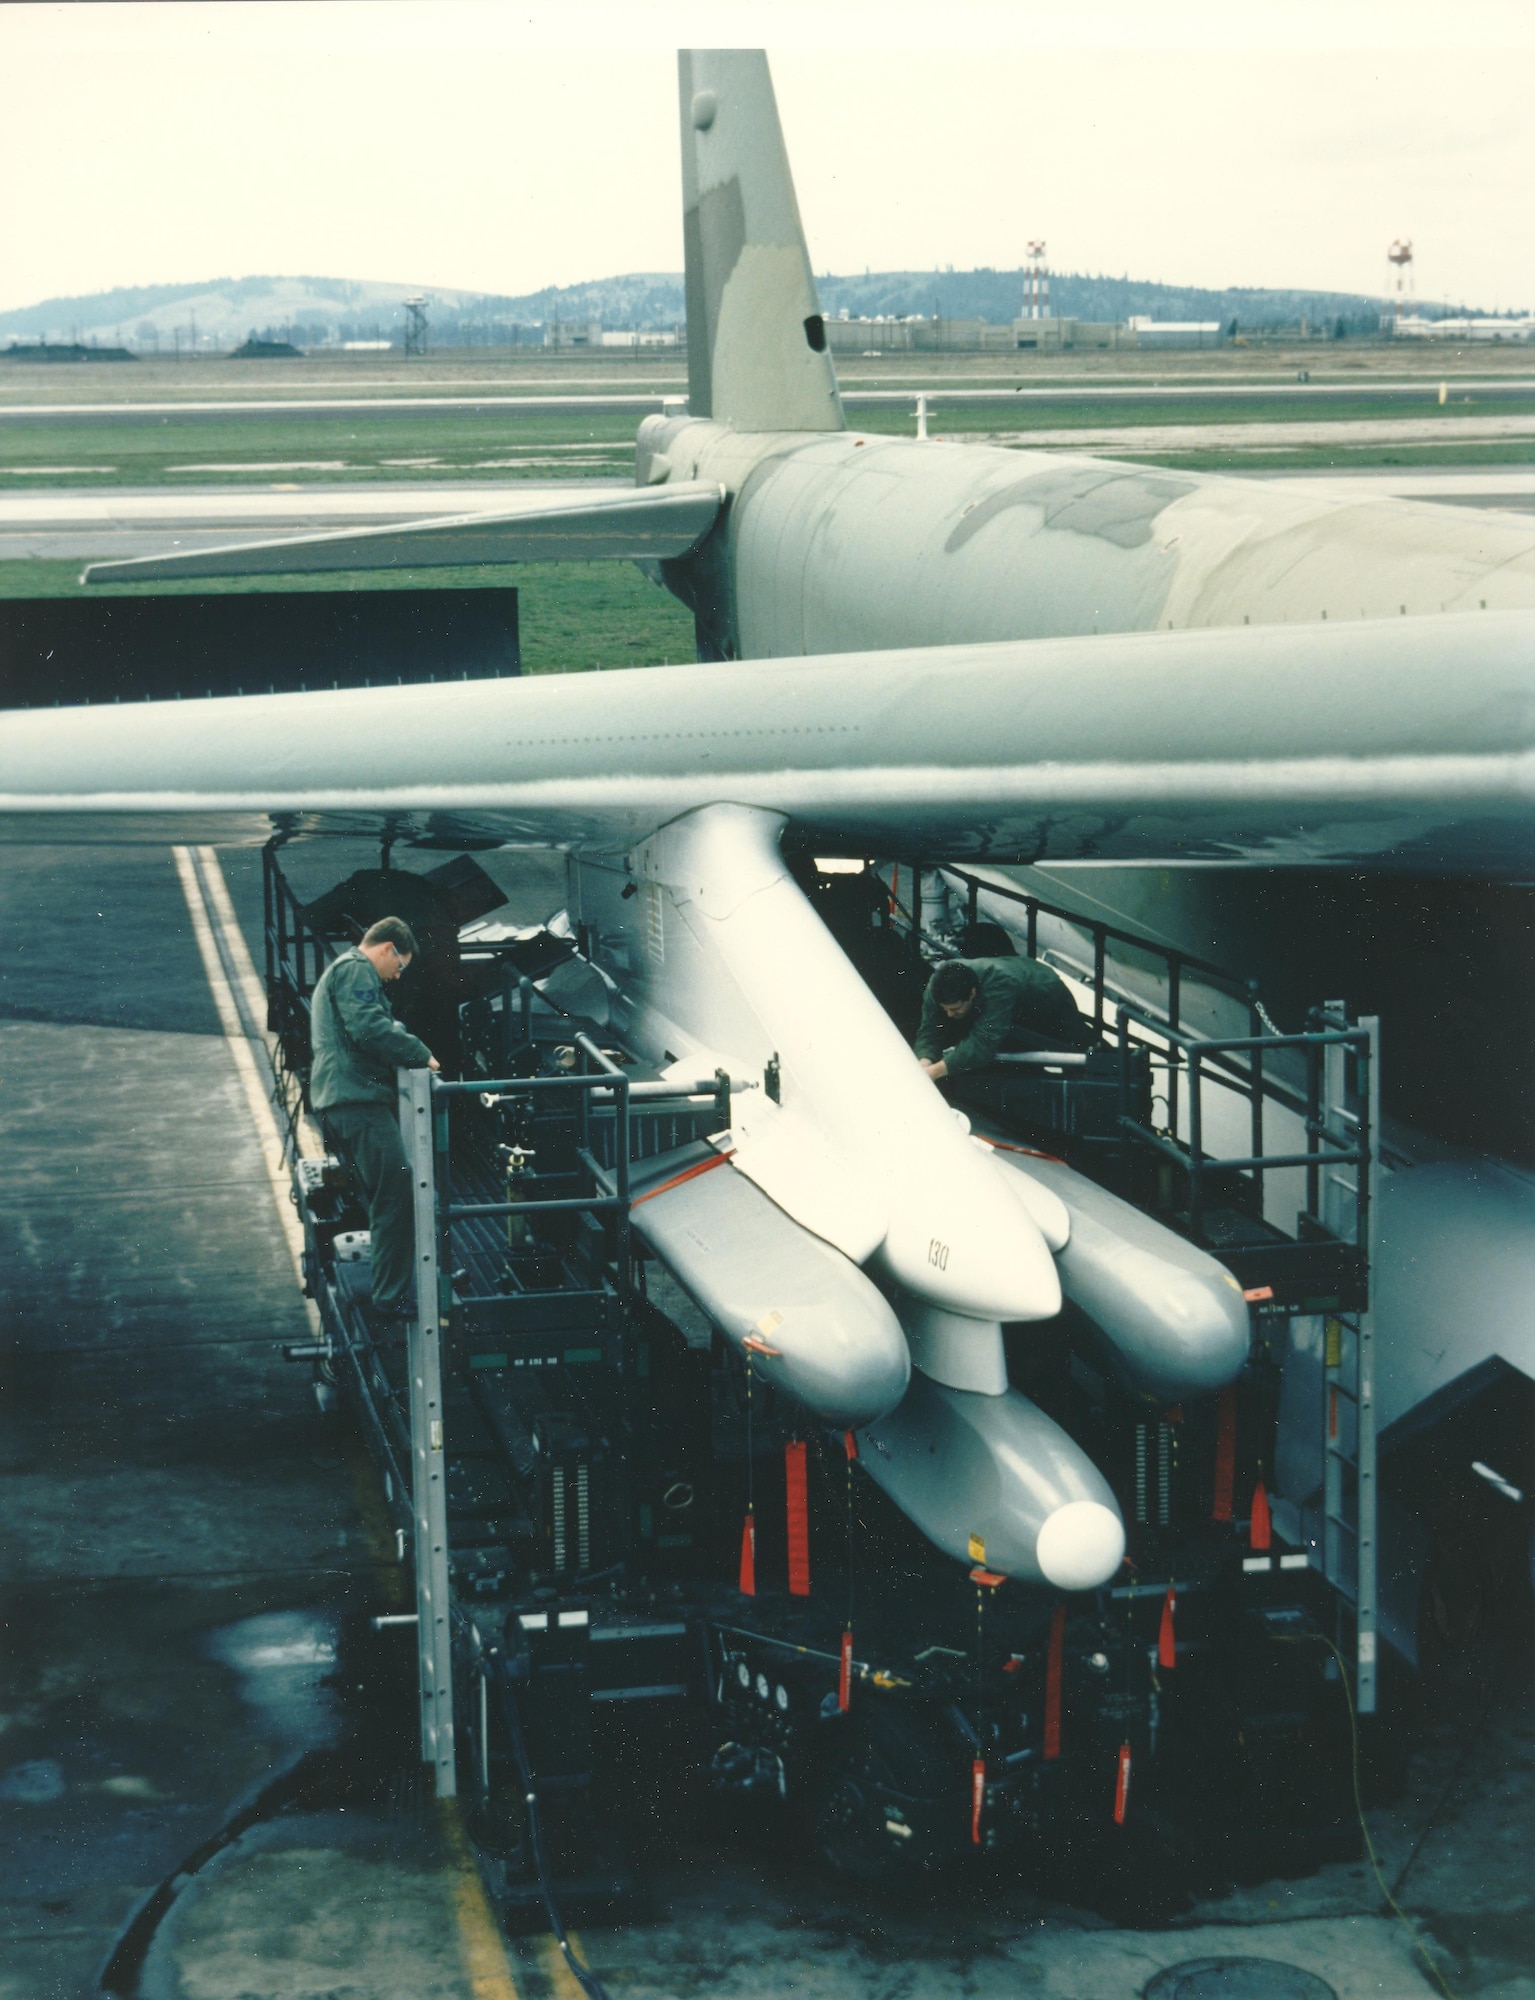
[(357, 1047)]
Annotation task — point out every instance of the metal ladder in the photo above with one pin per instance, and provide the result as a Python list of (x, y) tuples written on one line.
[(1349, 1494)]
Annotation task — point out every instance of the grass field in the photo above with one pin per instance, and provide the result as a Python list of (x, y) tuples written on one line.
[(329, 447), (581, 618), (574, 617), (94, 440), (495, 447)]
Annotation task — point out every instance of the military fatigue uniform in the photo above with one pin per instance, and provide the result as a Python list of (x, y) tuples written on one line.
[(358, 1045), (1012, 993)]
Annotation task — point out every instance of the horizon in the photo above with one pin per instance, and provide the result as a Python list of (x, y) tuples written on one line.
[(458, 298)]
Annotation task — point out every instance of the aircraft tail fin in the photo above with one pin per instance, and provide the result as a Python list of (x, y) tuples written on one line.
[(757, 356)]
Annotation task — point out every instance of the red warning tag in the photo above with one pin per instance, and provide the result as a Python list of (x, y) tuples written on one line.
[(1225, 1453), (1054, 1660), (977, 1798), (799, 1519), (850, 1445), (749, 1556), (845, 1672), (1122, 1786), (1167, 1644), (1260, 1529)]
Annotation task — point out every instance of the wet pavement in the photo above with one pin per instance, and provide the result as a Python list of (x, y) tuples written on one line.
[(189, 1551)]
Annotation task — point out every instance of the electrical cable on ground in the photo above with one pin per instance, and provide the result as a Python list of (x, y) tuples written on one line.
[(588, 1981), (1422, 1950)]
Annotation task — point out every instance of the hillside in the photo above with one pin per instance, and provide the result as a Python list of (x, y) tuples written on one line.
[(220, 313)]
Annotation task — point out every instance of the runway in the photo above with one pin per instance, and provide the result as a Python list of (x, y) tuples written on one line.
[(606, 399)]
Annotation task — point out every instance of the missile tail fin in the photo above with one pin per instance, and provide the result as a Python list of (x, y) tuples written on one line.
[(757, 355)]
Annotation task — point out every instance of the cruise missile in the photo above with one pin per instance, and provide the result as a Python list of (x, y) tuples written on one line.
[(809, 1321), (990, 1480), (1170, 1319), (721, 961)]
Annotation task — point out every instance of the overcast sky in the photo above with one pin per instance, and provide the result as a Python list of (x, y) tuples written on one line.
[(502, 147)]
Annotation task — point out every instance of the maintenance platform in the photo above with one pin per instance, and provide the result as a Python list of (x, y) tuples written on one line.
[(261, 1736)]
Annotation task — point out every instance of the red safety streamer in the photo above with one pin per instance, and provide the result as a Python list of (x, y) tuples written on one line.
[(1054, 1661), (850, 1446), (687, 1174), (749, 1555), (845, 1673), (1260, 1528), (1167, 1644), (1225, 1453), (1122, 1786), (977, 1798), (799, 1519)]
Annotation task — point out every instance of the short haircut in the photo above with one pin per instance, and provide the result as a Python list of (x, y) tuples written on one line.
[(395, 931), (953, 981)]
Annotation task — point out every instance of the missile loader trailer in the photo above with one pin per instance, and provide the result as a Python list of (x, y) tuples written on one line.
[(618, 1527)]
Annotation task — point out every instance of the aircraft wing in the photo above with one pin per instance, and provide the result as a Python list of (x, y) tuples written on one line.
[(651, 522), (1407, 744)]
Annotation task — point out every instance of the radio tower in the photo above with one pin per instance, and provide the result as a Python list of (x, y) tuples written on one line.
[(1036, 294), (1400, 254)]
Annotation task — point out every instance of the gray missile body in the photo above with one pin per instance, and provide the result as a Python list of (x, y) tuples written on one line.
[(991, 1480), (1173, 1321), (814, 1326)]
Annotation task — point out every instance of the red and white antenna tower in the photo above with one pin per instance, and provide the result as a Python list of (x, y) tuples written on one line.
[(1037, 283)]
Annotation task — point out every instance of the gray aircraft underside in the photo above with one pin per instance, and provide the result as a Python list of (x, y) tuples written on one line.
[(910, 649)]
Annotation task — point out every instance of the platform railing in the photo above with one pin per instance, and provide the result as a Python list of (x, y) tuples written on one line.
[(1165, 1025), (600, 1087), (1326, 1142)]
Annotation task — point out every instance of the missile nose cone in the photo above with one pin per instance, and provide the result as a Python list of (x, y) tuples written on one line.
[(985, 1265), (1080, 1546)]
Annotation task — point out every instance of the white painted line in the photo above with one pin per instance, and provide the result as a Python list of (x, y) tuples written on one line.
[(230, 934), (267, 1135)]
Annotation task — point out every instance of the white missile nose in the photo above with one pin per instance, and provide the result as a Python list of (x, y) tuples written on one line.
[(1081, 1545), (982, 1266)]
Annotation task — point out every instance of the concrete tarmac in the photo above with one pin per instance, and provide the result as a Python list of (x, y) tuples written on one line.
[(190, 1552)]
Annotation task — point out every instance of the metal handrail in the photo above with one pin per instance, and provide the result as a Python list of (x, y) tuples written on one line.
[(1176, 961), (1322, 1144)]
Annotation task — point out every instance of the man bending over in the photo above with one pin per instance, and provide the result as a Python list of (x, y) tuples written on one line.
[(974, 1007)]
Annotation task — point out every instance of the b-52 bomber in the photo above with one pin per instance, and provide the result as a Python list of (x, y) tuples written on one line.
[(926, 653)]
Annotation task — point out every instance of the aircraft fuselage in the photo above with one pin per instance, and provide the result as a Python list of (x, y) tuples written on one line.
[(838, 542)]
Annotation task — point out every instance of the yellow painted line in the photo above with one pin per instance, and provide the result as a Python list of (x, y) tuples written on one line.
[(480, 1943), (561, 1981)]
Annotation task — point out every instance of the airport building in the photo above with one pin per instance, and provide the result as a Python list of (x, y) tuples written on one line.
[(1045, 335), (1415, 327)]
